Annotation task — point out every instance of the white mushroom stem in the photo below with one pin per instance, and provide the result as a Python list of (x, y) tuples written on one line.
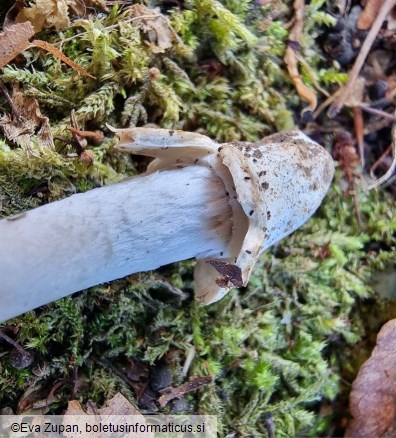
[(108, 233), (223, 204)]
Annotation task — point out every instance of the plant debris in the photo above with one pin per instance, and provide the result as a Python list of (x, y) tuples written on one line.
[(27, 120), (155, 25), (384, 11), (228, 273), (15, 39), (20, 358), (80, 139), (290, 56), (46, 13), (192, 385), (117, 405), (280, 350), (373, 395)]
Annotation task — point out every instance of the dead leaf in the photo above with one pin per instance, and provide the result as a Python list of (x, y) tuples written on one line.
[(156, 26), (355, 97), (74, 408), (52, 13), (14, 40), (36, 399), (372, 400), (46, 13), (117, 405), (30, 121), (81, 7)]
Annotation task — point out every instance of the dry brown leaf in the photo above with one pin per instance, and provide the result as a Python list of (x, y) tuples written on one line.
[(14, 40), (46, 13), (74, 408), (117, 405), (55, 13), (156, 25), (30, 121), (355, 97), (80, 7), (372, 400)]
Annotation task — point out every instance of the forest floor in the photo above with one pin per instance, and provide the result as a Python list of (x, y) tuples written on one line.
[(278, 357)]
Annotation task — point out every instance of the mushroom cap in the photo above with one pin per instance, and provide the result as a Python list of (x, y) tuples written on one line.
[(278, 183)]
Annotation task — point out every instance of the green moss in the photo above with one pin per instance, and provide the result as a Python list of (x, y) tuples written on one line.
[(278, 349)]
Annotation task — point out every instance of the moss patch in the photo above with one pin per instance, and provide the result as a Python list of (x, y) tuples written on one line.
[(281, 349)]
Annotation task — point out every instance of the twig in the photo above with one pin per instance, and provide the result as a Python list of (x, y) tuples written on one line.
[(58, 54), (22, 358), (380, 161), (377, 112), (376, 125), (10, 341), (336, 107), (325, 104), (290, 58), (79, 140), (367, 16), (192, 385), (358, 124), (392, 167), (311, 73), (347, 157)]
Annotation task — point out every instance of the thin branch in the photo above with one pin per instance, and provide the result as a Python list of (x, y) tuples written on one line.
[(336, 107), (392, 167), (380, 160), (377, 112), (290, 57)]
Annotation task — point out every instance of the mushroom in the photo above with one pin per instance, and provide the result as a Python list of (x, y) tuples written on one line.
[(221, 203)]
